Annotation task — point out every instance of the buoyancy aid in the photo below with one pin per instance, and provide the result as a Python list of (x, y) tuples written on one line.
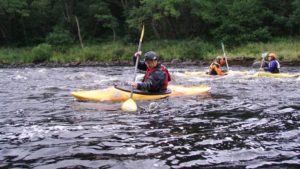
[(214, 69), (162, 68), (274, 66)]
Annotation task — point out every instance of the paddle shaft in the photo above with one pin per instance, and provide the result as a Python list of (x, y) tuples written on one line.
[(137, 61), (223, 48), (262, 62)]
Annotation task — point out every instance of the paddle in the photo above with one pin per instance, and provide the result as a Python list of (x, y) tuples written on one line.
[(263, 56), (130, 105), (223, 48)]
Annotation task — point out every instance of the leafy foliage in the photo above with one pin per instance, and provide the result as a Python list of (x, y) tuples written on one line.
[(60, 38), (41, 53), (104, 15), (235, 22), (196, 49)]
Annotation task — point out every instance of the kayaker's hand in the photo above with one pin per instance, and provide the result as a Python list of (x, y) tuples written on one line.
[(138, 54), (133, 84)]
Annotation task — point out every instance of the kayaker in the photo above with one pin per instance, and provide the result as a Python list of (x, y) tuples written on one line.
[(215, 67), (273, 65), (156, 76)]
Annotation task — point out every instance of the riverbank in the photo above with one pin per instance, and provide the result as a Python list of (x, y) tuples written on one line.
[(175, 63), (172, 52)]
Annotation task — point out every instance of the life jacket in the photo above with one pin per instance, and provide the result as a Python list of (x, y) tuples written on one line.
[(276, 70), (162, 68), (212, 68)]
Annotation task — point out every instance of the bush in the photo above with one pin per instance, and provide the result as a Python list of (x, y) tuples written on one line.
[(60, 38), (90, 55), (197, 50), (41, 53), (121, 53)]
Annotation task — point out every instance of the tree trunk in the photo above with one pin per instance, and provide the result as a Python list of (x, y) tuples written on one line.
[(67, 12), (124, 3), (79, 34), (95, 29), (24, 31), (157, 35), (114, 34), (2, 32), (173, 32)]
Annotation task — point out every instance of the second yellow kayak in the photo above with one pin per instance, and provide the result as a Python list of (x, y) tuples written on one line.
[(204, 74), (277, 75), (244, 73)]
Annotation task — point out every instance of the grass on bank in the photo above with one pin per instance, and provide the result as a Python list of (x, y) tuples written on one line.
[(288, 49)]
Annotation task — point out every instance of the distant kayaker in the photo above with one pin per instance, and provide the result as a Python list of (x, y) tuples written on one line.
[(273, 65), (156, 76), (215, 67)]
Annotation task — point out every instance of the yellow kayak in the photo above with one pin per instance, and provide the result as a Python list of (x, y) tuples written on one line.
[(117, 95), (196, 74), (244, 73), (278, 75), (204, 74)]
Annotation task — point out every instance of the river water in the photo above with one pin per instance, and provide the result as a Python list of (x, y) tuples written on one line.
[(244, 122)]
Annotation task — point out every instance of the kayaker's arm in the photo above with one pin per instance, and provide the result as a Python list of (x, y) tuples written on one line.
[(272, 66), (141, 65)]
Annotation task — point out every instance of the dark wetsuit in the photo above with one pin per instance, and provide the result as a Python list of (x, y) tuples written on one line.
[(155, 79)]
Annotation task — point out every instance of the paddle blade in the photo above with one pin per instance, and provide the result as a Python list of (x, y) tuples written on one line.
[(142, 34), (129, 105), (223, 48)]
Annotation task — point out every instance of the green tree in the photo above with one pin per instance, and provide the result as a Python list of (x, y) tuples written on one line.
[(104, 15), (60, 38), (12, 12), (294, 19), (156, 14), (235, 21), (276, 16), (28, 22)]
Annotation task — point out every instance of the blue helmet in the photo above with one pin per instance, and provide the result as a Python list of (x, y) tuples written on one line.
[(150, 56)]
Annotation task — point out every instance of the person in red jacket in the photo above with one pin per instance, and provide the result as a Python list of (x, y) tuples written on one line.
[(215, 67), (156, 76)]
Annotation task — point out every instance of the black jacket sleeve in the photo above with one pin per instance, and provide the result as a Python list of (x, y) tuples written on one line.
[(141, 65), (155, 83)]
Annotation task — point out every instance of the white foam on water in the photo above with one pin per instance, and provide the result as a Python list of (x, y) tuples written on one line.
[(36, 132), (104, 79), (19, 77), (83, 75), (43, 70)]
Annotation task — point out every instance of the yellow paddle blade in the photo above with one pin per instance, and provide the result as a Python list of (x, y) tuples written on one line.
[(142, 34), (129, 105)]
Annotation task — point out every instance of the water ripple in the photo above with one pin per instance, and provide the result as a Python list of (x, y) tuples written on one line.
[(244, 122)]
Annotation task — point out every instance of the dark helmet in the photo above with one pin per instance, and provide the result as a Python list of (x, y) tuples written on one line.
[(150, 56)]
